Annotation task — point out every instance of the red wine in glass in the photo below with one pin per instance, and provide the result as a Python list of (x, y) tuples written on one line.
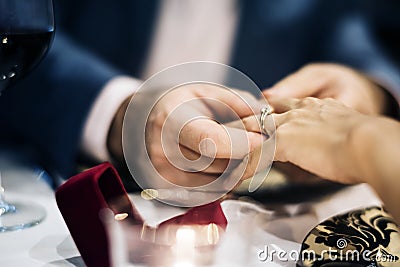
[(20, 52), (26, 31)]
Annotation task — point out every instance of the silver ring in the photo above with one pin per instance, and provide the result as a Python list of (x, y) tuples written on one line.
[(265, 111)]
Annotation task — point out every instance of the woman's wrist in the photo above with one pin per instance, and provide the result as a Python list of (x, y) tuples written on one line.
[(372, 150), (359, 145)]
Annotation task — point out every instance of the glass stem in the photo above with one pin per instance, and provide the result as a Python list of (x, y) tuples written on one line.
[(4, 206)]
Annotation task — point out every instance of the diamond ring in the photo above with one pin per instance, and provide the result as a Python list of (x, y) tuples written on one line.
[(265, 111)]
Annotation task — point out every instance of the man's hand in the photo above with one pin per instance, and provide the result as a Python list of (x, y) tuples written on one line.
[(186, 140), (344, 84)]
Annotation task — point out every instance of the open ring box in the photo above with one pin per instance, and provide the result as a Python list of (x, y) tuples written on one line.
[(108, 229)]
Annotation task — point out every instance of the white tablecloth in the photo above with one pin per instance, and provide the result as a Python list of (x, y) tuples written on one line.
[(49, 243)]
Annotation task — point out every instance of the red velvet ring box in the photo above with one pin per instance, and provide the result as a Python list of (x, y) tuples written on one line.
[(82, 198)]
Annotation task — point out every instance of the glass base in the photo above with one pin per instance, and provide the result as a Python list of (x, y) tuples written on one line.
[(18, 216)]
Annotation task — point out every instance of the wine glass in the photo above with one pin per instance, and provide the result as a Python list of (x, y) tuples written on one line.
[(26, 32)]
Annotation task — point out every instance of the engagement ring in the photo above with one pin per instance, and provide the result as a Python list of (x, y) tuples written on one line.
[(265, 111)]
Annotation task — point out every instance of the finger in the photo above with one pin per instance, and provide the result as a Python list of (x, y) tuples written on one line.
[(250, 99), (242, 103), (217, 166), (305, 82), (212, 139), (235, 124), (250, 123), (183, 178), (226, 111), (281, 119), (259, 159), (281, 105)]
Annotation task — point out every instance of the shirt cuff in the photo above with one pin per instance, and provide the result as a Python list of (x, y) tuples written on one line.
[(101, 115)]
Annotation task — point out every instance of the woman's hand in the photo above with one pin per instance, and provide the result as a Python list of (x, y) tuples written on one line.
[(340, 144), (316, 135)]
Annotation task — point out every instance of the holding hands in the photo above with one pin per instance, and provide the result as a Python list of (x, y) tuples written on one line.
[(343, 139), (317, 110), (187, 141), (329, 122), (321, 113)]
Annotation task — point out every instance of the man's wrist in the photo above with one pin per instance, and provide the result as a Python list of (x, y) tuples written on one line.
[(97, 125), (114, 137)]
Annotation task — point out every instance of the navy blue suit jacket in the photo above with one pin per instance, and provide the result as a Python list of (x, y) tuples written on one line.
[(98, 39)]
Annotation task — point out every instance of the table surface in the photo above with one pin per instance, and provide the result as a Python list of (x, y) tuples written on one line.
[(50, 244)]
